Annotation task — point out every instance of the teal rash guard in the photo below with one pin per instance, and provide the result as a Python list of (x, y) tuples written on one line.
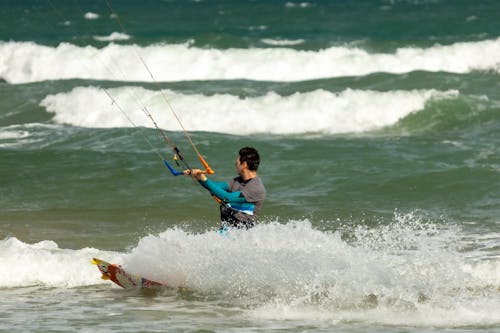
[(220, 190), (240, 200)]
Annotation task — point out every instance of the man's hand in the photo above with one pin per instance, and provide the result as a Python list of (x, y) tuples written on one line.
[(196, 174)]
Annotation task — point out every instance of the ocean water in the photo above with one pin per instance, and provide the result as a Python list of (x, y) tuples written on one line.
[(378, 124)]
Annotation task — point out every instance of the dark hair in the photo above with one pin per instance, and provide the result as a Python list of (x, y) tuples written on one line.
[(251, 156)]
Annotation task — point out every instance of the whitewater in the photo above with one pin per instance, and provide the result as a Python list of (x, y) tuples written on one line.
[(319, 111), (22, 62), (408, 272), (379, 150)]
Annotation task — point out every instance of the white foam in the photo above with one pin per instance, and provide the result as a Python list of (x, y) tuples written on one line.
[(7, 134), (115, 36), (290, 4), (91, 16), (22, 62), (45, 264), (282, 42), (318, 111), (407, 272), (12, 136)]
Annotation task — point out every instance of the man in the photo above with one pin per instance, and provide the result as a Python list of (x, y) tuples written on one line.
[(240, 198)]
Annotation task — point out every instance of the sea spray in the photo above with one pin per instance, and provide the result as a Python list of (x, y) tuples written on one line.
[(407, 264), (407, 272)]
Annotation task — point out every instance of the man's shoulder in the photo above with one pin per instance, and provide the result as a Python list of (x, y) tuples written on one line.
[(256, 185)]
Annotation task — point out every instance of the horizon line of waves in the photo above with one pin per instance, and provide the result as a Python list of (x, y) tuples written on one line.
[(24, 62)]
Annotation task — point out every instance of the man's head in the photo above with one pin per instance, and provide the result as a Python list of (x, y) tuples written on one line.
[(250, 156)]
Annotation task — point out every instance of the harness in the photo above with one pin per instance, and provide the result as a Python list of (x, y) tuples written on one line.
[(234, 218)]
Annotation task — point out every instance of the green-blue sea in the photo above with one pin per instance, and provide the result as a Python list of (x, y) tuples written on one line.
[(378, 125)]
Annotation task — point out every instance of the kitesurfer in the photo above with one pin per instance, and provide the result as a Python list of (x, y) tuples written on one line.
[(240, 198)]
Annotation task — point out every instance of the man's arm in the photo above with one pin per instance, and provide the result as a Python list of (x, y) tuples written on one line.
[(219, 189), (222, 193)]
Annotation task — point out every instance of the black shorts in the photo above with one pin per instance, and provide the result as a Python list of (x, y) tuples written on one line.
[(236, 219)]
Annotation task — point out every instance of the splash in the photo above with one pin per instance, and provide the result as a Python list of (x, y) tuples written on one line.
[(406, 272)]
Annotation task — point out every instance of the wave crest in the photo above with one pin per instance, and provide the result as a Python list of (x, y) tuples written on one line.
[(319, 111), (22, 62)]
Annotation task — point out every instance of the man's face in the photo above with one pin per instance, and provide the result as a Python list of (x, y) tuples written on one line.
[(240, 166)]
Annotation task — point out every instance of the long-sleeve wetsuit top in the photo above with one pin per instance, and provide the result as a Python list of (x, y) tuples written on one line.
[(245, 198)]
